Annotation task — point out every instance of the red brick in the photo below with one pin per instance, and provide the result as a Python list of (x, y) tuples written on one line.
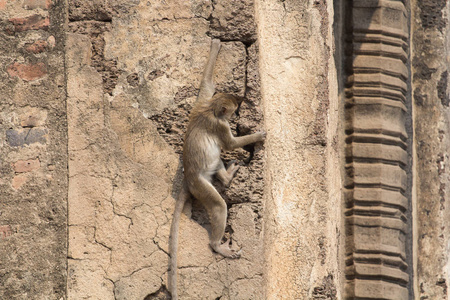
[(5, 231), (27, 71), (37, 47), (32, 117), (19, 180), (33, 22), (22, 166), (2, 4), (33, 4)]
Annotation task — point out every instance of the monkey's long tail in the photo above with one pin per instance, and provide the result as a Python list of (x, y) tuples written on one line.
[(173, 241)]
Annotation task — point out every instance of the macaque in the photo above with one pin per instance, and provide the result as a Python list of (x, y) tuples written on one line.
[(207, 133)]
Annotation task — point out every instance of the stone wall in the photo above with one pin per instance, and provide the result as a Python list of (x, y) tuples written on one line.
[(377, 165), (94, 102), (33, 150), (430, 67)]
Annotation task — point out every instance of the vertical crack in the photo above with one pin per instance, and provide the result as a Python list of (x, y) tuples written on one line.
[(114, 186)]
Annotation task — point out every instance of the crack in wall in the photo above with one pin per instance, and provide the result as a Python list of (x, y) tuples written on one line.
[(114, 186)]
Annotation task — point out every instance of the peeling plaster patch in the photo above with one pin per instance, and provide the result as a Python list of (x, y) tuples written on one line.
[(106, 67)]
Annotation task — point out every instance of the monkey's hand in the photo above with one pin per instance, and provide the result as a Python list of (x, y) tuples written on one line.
[(261, 135), (225, 250)]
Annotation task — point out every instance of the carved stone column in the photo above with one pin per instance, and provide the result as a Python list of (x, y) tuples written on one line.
[(376, 188)]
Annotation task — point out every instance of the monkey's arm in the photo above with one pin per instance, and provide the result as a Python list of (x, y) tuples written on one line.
[(207, 87), (231, 142)]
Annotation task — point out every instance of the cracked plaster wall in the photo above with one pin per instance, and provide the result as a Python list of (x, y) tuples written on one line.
[(133, 69)]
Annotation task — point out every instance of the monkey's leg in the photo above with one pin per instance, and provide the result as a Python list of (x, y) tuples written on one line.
[(225, 176), (207, 87), (217, 210)]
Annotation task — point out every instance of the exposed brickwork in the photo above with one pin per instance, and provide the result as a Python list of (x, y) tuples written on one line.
[(442, 89), (33, 150), (22, 166), (19, 180), (33, 22), (27, 72), (5, 231), (431, 14), (37, 47)]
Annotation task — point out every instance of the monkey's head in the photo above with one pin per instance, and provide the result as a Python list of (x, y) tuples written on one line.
[(225, 105)]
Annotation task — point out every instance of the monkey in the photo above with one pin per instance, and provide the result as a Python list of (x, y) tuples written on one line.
[(208, 132)]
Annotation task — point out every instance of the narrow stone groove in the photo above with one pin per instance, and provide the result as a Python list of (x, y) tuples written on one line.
[(376, 136), (378, 258)]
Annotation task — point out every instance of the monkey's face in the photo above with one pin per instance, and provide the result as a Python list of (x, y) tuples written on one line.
[(229, 111), (224, 106)]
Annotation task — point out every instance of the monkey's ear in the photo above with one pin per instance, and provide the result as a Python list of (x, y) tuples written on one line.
[(223, 111)]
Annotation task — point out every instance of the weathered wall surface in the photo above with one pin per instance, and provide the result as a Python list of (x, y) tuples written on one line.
[(430, 67), (130, 71), (133, 68), (33, 150), (302, 190)]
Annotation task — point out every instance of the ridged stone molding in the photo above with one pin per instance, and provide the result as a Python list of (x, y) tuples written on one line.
[(376, 150)]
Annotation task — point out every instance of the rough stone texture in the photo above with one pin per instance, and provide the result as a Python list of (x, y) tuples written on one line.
[(302, 197), (117, 203), (131, 83), (432, 120), (33, 152), (234, 20)]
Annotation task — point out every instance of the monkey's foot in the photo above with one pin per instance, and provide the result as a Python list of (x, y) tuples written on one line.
[(232, 168), (225, 250), (225, 176)]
